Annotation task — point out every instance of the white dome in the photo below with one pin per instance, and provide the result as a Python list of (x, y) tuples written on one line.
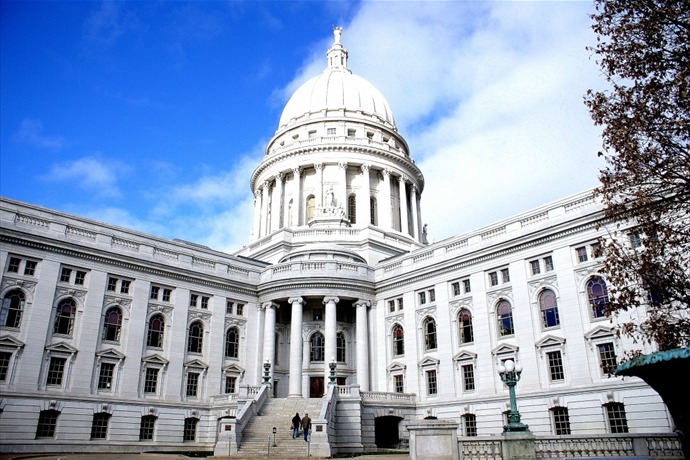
[(337, 92)]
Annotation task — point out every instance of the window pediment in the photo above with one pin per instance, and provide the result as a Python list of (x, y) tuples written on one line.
[(61, 347), (9, 341), (465, 356), (550, 341), (429, 362), (599, 332), (505, 349), (110, 353), (155, 359), (196, 363), (234, 369), (396, 367)]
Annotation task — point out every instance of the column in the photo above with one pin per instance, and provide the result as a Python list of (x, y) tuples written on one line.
[(261, 316), (296, 348), (362, 350), (296, 195), (415, 218), (404, 228), (364, 199), (319, 189), (277, 202), (264, 210), (342, 193), (256, 233), (330, 334), (385, 215), (270, 335)]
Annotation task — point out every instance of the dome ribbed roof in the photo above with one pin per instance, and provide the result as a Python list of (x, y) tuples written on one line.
[(337, 92)]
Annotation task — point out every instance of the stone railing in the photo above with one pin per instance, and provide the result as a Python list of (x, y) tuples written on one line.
[(388, 398), (231, 428), (655, 446)]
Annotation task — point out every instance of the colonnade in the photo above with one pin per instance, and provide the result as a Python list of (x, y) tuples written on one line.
[(330, 341), (278, 200)]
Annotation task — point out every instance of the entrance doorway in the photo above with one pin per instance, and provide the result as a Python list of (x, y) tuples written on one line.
[(315, 387), (386, 431)]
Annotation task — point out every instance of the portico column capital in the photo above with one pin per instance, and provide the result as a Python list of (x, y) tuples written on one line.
[(362, 303), (267, 305), (365, 168), (330, 299), (294, 300)]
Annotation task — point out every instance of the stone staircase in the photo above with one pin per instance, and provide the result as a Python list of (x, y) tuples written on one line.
[(278, 413)]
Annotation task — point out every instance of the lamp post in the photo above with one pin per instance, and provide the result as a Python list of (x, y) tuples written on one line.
[(331, 374), (274, 437), (267, 373), (510, 375)]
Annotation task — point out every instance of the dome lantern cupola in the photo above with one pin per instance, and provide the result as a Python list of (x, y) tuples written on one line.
[(337, 55)]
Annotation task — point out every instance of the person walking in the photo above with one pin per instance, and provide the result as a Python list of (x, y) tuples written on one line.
[(296, 422), (306, 426)]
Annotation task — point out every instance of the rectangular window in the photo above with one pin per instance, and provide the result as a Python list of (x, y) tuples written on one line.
[(431, 388), (193, 298), (399, 383), (615, 413), (79, 278), (469, 422), (154, 292), (467, 286), (330, 131), (228, 307), (561, 421), (190, 429), (56, 369), (548, 263), (30, 268), (534, 267), (47, 422), (5, 357), (105, 378), (427, 296), (391, 306), (581, 254), (166, 295), (505, 275), (124, 287), (112, 284), (204, 302), (192, 384), (422, 298), (400, 303), (493, 279), (148, 423), (312, 134), (351, 133), (317, 314), (151, 380), (230, 385), (240, 309), (635, 240), (456, 288), (607, 358), (432, 295), (596, 250), (468, 377), (555, 362), (65, 275), (13, 266), (99, 426)]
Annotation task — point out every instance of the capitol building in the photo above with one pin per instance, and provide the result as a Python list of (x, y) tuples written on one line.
[(339, 306)]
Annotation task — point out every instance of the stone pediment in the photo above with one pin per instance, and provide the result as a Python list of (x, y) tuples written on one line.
[(110, 353), (465, 355), (196, 363), (505, 349), (233, 368), (550, 341), (429, 361), (61, 347), (396, 366), (599, 332), (155, 359), (9, 341)]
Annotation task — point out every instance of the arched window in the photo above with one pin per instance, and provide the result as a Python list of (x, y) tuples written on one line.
[(316, 352), (505, 318), (373, 211), (195, 341), (311, 205), (352, 208), (465, 326), (598, 296), (340, 347), (64, 317), (549, 309), (232, 343), (11, 308), (112, 323), (398, 340), (154, 335), (429, 334)]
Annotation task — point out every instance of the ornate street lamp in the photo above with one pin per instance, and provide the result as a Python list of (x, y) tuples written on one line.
[(510, 375), (331, 375), (267, 373)]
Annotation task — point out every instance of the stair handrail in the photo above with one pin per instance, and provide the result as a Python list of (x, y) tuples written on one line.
[(251, 407)]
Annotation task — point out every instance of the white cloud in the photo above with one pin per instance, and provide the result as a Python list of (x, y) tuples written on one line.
[(31, 132), (89, 173), (489, 96)]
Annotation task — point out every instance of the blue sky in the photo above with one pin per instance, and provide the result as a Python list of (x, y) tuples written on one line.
[(152, 115)]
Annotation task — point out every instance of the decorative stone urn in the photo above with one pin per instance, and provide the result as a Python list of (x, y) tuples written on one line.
[(667, 373)]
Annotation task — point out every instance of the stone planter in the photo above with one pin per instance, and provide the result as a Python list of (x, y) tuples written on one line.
[(667, 373)]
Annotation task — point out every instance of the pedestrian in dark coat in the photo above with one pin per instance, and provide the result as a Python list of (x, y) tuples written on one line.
[(296, 422), (306, 426)]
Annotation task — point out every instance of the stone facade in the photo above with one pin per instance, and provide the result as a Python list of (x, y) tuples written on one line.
[(110, 337)]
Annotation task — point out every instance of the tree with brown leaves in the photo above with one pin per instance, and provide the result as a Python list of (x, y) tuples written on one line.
[(643, 50)]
